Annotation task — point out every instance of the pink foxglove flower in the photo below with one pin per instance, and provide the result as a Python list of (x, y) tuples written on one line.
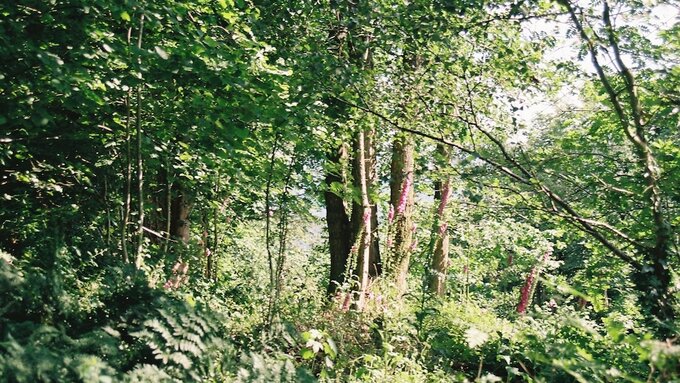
[(346, 303), (525, 296), (547, 255), (405, 188), (390, 214), (176, 267)]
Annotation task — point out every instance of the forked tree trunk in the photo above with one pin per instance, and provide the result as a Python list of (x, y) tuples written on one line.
[(365, 161), (344, 232)]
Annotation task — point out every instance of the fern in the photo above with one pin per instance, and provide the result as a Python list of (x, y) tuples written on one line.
[(185, 341)]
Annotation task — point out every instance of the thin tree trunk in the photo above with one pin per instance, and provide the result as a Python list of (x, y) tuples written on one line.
[(366, 234), (168, 205), (140, 170), (440, 256), (363, 170), (267, 230), (375, 267), (213, 250), (127, 197), (283, 238), (205, 238), (108, 214)]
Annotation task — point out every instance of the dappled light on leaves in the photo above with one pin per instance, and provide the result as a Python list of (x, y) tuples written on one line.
[(341, 191)]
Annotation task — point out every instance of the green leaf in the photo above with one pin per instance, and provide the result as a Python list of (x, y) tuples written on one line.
[(332, 346), (475, 337), (161, 53)]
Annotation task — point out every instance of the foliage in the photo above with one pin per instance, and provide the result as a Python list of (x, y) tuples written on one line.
[(166, 169)]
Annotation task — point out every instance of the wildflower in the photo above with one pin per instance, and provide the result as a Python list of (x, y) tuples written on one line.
[(390, 214), (346, 303), (526, 291), (367, 216), (405, 188), (176, 267)]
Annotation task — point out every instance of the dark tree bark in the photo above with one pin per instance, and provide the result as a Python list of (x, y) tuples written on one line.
[(339, 234), (180, 208), (343, 231)]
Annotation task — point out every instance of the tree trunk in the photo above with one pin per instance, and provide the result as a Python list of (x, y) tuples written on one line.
[(363, 171), (440, 256), (653, 277), (345, 232), (167, 206), (179, 214), (339, 234), (140, 165), (401, 201), (364, 262), (654, 281)]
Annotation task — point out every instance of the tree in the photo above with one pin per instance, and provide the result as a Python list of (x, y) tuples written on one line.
[(487, 115), (440, 256)]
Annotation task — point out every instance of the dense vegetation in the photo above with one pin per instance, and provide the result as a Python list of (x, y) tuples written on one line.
[(361, 191)]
